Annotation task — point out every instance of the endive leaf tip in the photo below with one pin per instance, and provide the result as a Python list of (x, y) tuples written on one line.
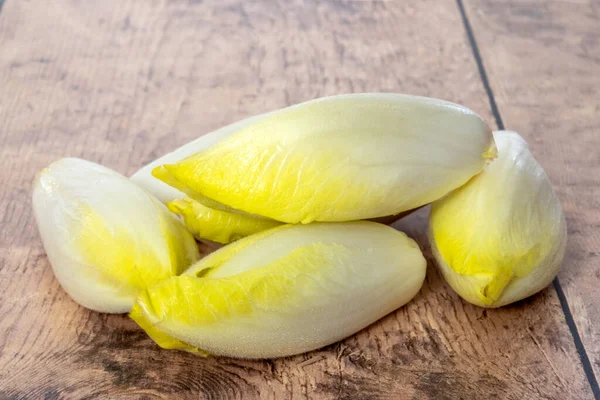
[(149, 318), (175, 206), (159, 172), (142, 314), (492, 152), (165, 173), (217, 225)]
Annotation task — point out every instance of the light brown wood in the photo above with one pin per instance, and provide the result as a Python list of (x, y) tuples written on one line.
[(122, 82), (543, 60)]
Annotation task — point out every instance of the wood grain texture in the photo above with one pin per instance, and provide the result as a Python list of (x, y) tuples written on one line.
[(122, 82), (543, 60)]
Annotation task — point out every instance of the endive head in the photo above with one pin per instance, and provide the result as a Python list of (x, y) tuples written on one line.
[(339, 158), (106, 238), (502, 236), (284, 291)]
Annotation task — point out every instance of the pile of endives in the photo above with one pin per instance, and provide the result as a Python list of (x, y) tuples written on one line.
[(293, 192)]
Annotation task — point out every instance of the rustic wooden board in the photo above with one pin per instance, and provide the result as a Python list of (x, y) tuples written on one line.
[(121, 82), (543, 60)]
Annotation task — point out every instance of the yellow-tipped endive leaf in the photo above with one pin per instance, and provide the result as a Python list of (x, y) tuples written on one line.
[(339, 158), (502, 236), (219, 226), (284, 291), (166, 193), (105, 237)]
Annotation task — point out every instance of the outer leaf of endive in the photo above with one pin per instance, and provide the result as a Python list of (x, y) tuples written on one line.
[(284, 291), (502, 236), (218, 225), (163, 191), (105, 237), (340, 158)]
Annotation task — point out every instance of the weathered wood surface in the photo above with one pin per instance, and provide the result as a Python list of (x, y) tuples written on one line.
[(543, 62), (121, 82)]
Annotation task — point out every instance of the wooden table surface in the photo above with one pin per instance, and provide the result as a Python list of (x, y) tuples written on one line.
[(121, 82)]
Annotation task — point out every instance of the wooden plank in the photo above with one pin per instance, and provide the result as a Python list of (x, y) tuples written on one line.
[(543, 60), (121, 82)]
